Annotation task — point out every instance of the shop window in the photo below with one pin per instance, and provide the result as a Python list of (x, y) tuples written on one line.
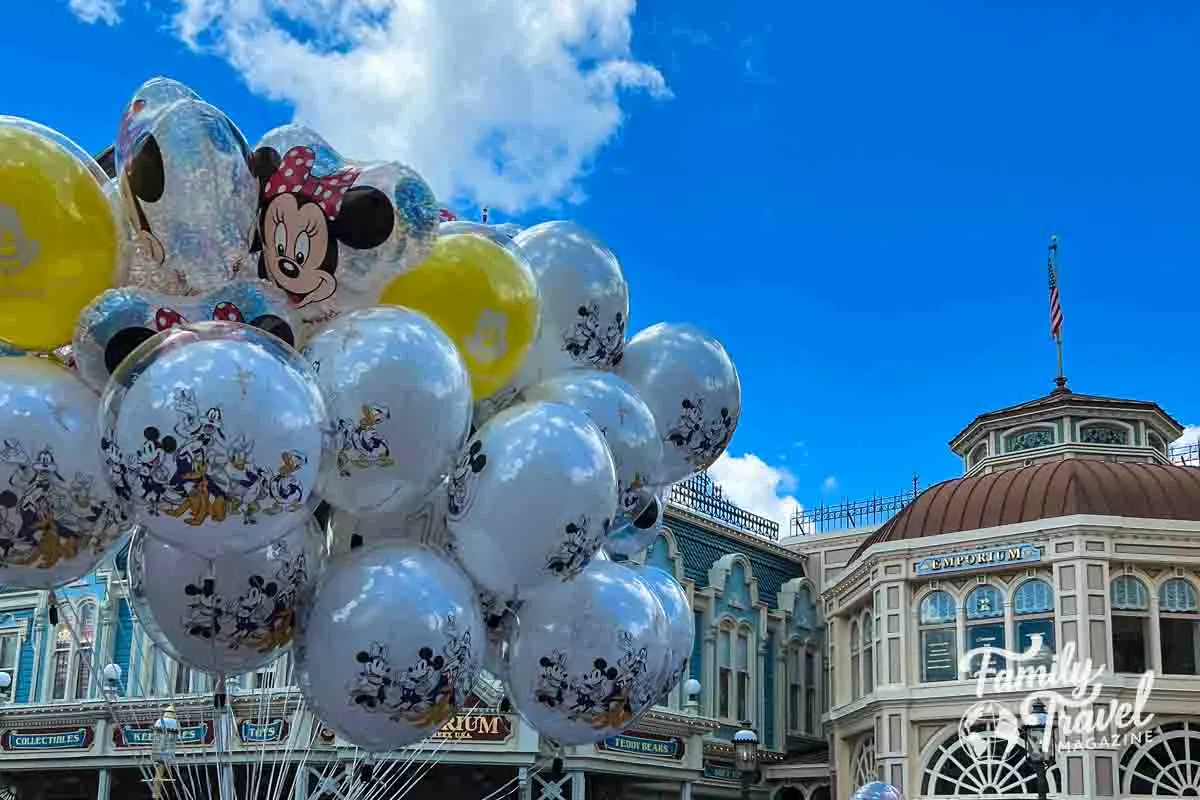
[(795, 691), (1178, 616), (85, 649), (811, 711), (1033, 611), (62, 663), (939, 645), (985, 626), (1130, 624)]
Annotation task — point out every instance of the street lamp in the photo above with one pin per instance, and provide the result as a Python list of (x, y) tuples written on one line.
[(166, 735), (1040, 745), (745, 751)]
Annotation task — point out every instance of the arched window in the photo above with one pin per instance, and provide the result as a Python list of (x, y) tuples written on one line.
[(855, 660), (62, 662), (724, 670), (741, 668), (183, 679), (1028, 439), (1178, 616), (1099, 433), (83, 655), (795, 690), (811, 712), (1130, 624), (978, 453), (1033, 608), (865, 764), (985, 626), (1157, 442), (939, 644), (868, 653)]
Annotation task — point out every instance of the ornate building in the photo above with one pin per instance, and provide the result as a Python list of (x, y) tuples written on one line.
[(1071, 526), (758, 659)]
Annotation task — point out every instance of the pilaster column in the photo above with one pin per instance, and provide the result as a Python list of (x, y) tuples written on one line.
[(685, 791), (103, 785)]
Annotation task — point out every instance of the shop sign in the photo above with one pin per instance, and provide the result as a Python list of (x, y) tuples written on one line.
[(37, 740), (255, 732), (721, 772), (643, 744), (476, 726), (196, 735), (977, 559)]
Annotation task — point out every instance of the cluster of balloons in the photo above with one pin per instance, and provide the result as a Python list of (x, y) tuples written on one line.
[(329, 415)]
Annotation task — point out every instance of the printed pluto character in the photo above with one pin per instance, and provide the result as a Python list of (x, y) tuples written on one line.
[(423, 693), (263, 613), (699, 440), (201, 474), (591, 341), (604, 695), (304, 219), (575, 551), (360, 444), (464, 478), (43, 518)]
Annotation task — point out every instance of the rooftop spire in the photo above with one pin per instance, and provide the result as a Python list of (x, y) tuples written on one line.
[(1056, 313)]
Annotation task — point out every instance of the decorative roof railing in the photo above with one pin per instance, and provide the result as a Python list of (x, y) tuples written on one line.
[(1185, 455), (701, 495), (850, 514)]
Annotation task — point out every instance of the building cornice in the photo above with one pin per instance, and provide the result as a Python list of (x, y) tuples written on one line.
[(752, 539)]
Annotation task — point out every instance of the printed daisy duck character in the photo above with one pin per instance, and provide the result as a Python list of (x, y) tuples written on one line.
[(304, 218)]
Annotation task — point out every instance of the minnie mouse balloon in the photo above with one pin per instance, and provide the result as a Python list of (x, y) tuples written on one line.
[(588, 655), (531, 498), (400, 399), (187, 188), (628, 427), (230, 614), (57, 521), (331, 233), (215, 433), (689, 382), (389, 646)]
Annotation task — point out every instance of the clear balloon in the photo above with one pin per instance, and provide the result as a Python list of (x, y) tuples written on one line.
[(480, 291), (390, 645), (690, 384), (232, 614), (216, 432), (588, 655), (332, 232), (531, 498), (421, 523), (633, 535), (628, 426), (58, 236), (681, 623), (877, 790), (57, 520), (400, 399), (119, 320), (499, 620), (187, 188)]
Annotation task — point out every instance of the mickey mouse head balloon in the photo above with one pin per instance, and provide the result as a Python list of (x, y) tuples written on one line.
[(187, 188), (331, 233)]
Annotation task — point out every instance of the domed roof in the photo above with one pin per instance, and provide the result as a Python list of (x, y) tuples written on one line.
[(1043, 491)]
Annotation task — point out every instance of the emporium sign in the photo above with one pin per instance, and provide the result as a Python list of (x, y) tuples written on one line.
[(197, 735), (476, 726), (643, 744), (978, 559), (38, 740)]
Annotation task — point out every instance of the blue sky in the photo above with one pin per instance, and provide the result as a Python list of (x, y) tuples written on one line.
[(855, 197)]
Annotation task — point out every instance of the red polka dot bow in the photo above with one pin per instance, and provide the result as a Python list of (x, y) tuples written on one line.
[(295, 176)]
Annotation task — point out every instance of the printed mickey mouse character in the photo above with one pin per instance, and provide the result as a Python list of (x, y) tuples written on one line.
[(151, 460), (303, 218), (469, 465)]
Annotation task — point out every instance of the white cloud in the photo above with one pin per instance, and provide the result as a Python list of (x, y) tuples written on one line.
[(93, 11), (1191, 435), (502, 102), (830, 484), (755, 485)]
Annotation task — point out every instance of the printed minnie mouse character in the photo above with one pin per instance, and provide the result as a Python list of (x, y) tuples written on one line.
[(463, 477), (303, 218)]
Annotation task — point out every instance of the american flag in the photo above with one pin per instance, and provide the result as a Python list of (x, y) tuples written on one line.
[(1056, 312)]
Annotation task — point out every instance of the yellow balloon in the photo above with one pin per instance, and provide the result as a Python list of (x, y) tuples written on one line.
[(484, 296), (58, 238)]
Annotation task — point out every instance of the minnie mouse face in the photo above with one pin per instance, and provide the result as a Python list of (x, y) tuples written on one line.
[(304, 218)]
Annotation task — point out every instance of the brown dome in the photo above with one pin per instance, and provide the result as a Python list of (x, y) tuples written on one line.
[(1043, 491)]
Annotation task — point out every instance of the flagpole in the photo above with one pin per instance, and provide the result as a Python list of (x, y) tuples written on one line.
[(1060, 381)]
